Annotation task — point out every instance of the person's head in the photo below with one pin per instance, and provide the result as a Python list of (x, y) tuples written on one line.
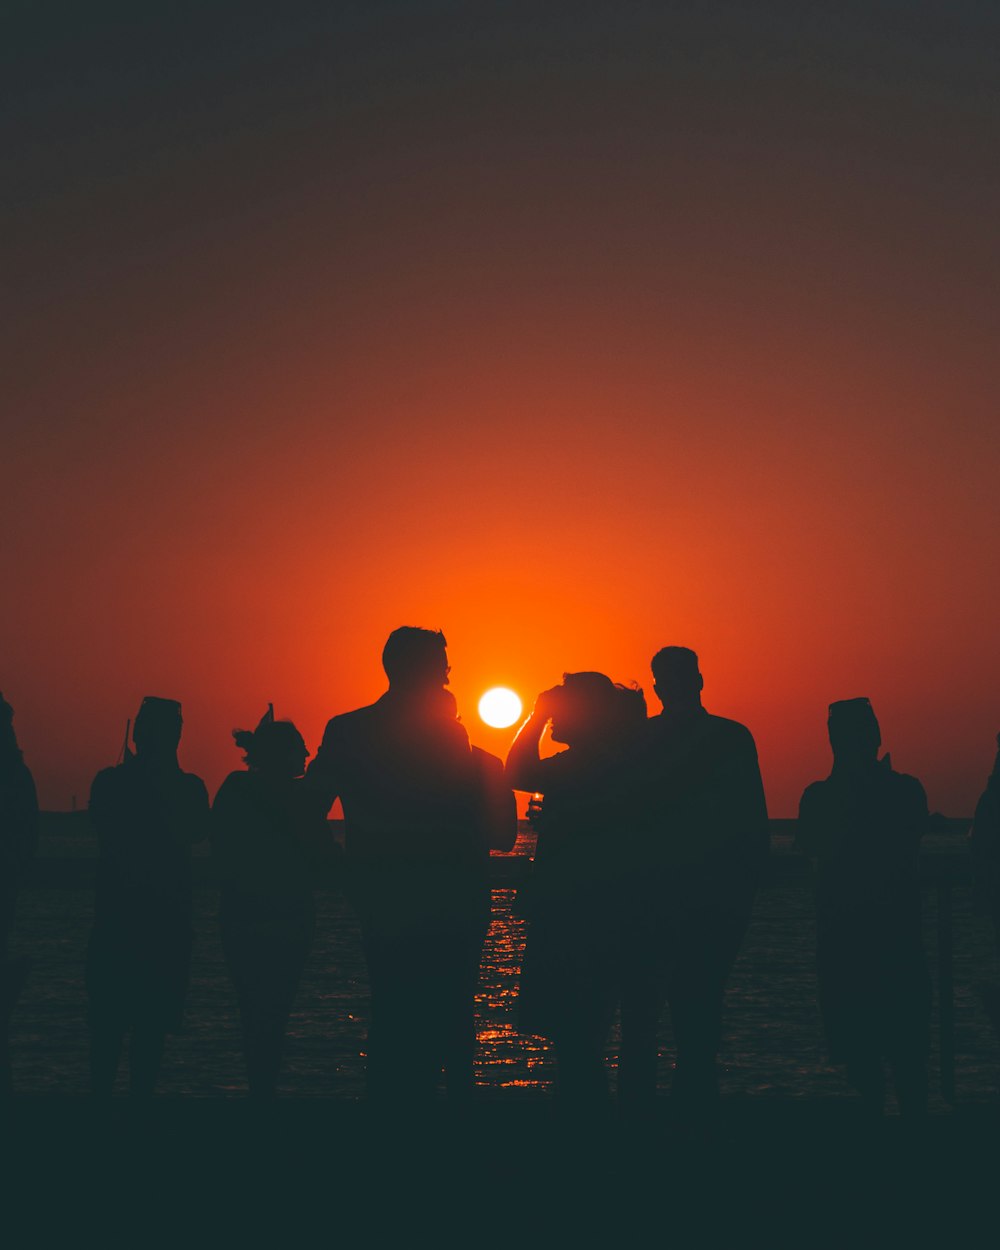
[(415, 659), (157, 727), (590, 709), (677, 679), (274, 749), (854, 731)]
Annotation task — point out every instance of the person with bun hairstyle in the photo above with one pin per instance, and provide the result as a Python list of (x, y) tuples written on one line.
[(575, 966), (268, 841)]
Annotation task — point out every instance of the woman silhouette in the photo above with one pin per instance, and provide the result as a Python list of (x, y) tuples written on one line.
[(267, 839), (571, 973)]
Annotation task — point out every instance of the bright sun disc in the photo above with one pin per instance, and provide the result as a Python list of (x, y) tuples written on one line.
[(499, 707)]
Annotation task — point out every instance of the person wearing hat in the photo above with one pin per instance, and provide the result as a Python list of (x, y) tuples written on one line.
[(146, 813), (862, 828), (18, 837)]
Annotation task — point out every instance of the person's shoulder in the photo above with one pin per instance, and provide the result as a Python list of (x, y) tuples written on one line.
[(909, 786), (346, 723), (194, 785), (733, 732), (108, 778), (238, 780), (814, 793), (457, 732)]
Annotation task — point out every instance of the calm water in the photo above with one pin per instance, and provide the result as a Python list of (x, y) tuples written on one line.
[(772, 1045)]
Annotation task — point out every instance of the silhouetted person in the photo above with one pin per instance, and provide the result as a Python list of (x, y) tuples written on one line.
[(707, 831), (268, 842), (571, 974), (985, 845), (416, 840), (18, 838), (862, 827), (146, 813)]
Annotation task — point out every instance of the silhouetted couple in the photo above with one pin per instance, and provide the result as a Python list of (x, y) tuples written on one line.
[(652, 838), (268, 840), (421, 811)]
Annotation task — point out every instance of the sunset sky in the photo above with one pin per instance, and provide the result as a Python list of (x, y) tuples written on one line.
[(572, 329)]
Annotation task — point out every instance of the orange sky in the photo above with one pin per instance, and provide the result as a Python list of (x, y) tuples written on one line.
[(573, 339)]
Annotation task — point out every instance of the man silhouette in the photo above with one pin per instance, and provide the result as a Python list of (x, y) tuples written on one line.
[(416, 855), (706, 818), (146, 813), (862, 826)]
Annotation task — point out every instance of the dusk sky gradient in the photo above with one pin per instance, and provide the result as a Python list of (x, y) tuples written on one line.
[(572, 329)]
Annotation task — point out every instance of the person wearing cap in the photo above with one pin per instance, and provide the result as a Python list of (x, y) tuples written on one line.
[(862, 828), (416, 858), (146, 813), (707, 843), (18, 838)]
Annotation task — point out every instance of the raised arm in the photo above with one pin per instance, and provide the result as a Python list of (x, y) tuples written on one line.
[(524, 770)]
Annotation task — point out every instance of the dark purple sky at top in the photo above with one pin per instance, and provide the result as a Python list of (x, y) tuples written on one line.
[(683, 316)]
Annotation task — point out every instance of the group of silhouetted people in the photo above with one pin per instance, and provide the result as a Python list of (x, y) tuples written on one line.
[(652, 835)]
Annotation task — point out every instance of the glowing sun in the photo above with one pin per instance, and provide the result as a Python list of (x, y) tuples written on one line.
[(499, 707)]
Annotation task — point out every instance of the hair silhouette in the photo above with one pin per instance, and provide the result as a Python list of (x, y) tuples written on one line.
[(570, 975), (415, 801), (269, 839), (863, 826), (701, 838), (146, 813)]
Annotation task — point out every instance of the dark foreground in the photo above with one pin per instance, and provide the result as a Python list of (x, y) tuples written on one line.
[(805, 1170)]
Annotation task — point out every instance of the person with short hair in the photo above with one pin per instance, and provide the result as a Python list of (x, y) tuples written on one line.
[(417, 852), (708, 840), (862, 828), (147, 814)]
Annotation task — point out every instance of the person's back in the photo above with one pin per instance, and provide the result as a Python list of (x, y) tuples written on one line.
[(146, 813), (705, 842), (862, 828), (403, 773), (416, 859), (146, 820), (707, 808), (863, 831), (571, 974), (269, 841)]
